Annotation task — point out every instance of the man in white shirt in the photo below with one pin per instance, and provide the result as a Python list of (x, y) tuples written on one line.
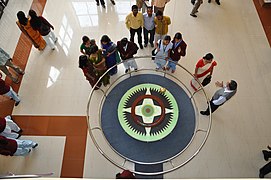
[(149, 26), (221, 96)]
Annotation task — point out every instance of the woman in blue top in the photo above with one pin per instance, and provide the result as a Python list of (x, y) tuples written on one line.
[(109, 52)]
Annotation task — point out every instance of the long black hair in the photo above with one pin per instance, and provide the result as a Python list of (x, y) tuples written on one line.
[(83, 61), (35, 22), (22, 19), (105, 39)]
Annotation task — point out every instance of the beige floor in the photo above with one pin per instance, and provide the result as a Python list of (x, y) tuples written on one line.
[(54, 85), (46, 158)]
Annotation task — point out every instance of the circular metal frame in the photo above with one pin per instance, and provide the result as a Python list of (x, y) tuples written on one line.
[(207, 131)]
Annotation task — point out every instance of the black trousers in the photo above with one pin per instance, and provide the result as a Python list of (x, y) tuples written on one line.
[(213, 108), (146, 33), (265, 169), (102, 2), (139, 35)]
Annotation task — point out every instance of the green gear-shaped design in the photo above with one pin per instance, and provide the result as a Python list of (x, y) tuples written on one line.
[(147, 114)]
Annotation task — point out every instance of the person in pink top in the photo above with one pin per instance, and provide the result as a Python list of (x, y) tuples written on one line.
[(203, 71)]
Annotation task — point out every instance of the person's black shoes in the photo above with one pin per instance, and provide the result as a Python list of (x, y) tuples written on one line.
[(35, 145), (17, 103), (209, 1), (113, 2), (141, 46), (152, 45), (126, 71), (193, 15), (217, 2), (98, 4), (103, 6), (145, 45), (205, 113)]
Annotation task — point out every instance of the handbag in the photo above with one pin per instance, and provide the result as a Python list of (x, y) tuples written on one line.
[(206, 80), (154, 51)]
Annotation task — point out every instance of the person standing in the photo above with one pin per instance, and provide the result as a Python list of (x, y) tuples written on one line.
[(221, 96), (161, 25), (162, 56), (127, 50), (178, 50), (6, 60), (217, 1), (9, 128), (196, 4), (89, 71), (134, 22), (40, 24), (16, 147), (149, 27), (266, 168), (99, 64), (7, 90), (87, 45), (203, 71), (109, 51), (33, 35), (142, 4), (103, 3), (159, 5)]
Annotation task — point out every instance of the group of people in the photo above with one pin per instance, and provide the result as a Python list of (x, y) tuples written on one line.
[(95, 62), (10, 144), (37, 29)]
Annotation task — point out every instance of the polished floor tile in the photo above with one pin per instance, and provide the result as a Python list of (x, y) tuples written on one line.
[(42, 160)]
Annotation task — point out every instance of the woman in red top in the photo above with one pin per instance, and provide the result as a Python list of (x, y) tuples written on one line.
[(89, 71), (203, 71)]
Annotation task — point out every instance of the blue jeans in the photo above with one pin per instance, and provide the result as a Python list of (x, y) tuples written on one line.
[(160, 63), (172, 65)]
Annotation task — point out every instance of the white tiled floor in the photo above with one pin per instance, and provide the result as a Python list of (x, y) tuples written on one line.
[(9, 30), (54, 85)]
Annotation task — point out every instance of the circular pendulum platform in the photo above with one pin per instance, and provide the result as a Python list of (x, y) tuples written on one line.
[(148, 118)]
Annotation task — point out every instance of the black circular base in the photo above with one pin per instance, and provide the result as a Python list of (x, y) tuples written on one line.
[(148, 152)]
